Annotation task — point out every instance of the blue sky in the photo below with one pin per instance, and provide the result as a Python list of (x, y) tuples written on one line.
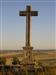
[(13, 26)]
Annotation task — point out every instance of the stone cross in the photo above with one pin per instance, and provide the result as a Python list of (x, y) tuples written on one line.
[(28, 13)]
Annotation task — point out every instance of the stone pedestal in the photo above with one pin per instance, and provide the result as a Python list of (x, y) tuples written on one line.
[(28, 62), (27, 54)]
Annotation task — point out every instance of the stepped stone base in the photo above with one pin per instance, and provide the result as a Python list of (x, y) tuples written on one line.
[(27, 62)]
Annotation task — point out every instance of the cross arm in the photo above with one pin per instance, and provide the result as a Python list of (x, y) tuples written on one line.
[(34, 13), (22, 13)]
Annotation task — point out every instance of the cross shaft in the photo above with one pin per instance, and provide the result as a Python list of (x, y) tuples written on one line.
[(28, 13)]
